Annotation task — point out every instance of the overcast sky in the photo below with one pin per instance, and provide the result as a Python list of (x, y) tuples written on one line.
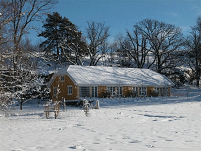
[(123, 14)]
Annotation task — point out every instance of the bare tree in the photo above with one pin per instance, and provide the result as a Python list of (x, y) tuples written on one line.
[(193, 52), (135, 45), (97, 34), (25, 12), (5, 18), (163, 39), (112, 52)]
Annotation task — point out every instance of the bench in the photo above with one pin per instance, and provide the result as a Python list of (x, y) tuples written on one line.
[(54, 108), (48, 112)]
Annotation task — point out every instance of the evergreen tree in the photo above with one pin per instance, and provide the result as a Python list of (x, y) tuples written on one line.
[(51, 32), (64, 43)]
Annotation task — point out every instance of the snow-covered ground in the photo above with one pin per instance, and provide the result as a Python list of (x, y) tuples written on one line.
[(162, 124)]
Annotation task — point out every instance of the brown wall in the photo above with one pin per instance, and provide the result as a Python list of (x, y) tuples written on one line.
[(149, 90), (126, 90), (101, 90), (63, 88), (169, 91)]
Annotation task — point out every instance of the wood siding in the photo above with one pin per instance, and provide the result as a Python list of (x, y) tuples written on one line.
[(63, 89), (126, 90), (149, 90), (169, 91), (101, 90)]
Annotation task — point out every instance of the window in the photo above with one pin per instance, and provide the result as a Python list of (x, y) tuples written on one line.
[(135, 89), (142, 91), (84, 91), (112, 90), (54, 91), (119, 91), (62, 78), (162, 91), (94, 91), (115, 91), (70, 90)]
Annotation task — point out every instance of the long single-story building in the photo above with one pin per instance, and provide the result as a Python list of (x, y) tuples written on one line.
[(75, 82)]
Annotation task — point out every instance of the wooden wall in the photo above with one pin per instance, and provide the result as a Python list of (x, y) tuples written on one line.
[(101, 90), (63, 89), (126, 90), (149, 90)]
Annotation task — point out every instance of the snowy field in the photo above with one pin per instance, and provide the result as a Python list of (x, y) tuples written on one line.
[(158, 124)]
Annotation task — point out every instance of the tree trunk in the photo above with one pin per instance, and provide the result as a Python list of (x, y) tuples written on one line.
[(21, 102), (198, 78), (197, 82), (58, 51)]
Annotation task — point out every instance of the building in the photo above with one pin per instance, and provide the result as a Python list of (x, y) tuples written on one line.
[(75, 82)]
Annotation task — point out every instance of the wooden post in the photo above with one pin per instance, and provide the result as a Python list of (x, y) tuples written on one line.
[(55, 114), (47, 113), (64, 105)]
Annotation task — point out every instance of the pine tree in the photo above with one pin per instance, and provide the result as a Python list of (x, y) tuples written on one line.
[(51, 33), (64, 43)]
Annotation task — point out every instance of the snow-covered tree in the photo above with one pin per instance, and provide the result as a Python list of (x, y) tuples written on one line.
[(15, 19)]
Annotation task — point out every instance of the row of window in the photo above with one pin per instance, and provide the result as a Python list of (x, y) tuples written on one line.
[(162, 91), (55, 90), (117, 92), (84, 91)]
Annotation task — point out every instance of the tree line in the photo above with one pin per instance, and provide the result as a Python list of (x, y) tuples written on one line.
[(150, 44)]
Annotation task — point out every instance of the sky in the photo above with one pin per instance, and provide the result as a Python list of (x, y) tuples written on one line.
[(123, 14)]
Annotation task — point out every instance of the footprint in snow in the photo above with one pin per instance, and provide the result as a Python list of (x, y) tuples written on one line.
[(150, 146), (135, 141), (76, 147), (62, 128)]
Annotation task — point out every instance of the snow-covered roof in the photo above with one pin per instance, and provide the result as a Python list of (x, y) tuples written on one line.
[(101, 75)]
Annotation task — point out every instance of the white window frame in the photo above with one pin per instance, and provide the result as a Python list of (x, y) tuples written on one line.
[(119, 91), (112, 90), (163, 91), (135, 89), (86, 91), (62, 78), (94, 91), (144, 92), (54, 91), (70, 90)]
